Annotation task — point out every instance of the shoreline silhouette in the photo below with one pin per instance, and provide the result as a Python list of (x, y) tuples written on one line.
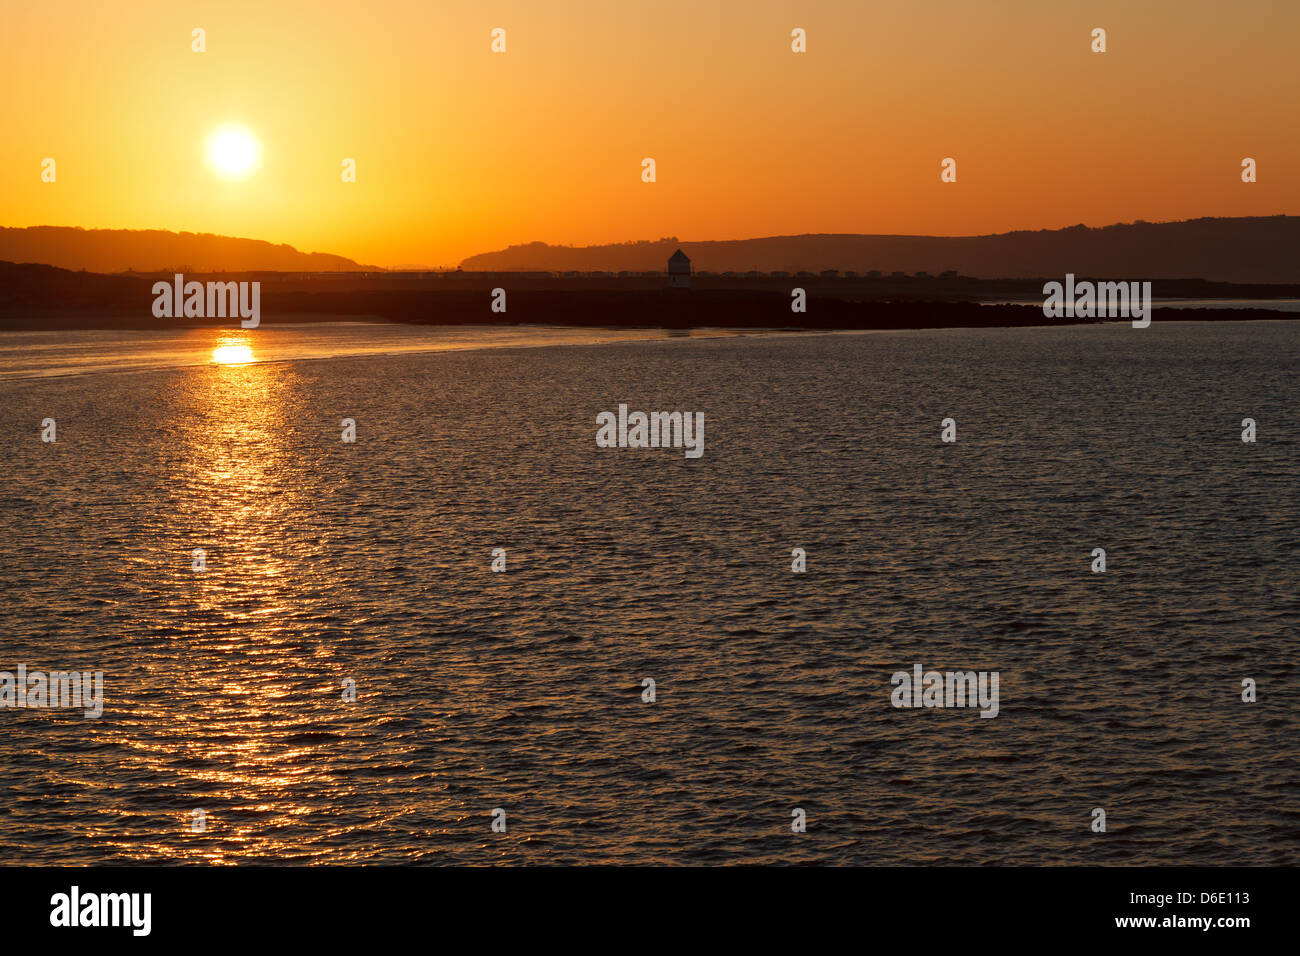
[(46, 297)]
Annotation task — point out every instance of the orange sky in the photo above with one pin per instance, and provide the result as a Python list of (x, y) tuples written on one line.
[(460, 150)]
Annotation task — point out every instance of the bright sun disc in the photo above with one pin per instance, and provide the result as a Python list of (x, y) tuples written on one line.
[(233, 152), (232, 355)]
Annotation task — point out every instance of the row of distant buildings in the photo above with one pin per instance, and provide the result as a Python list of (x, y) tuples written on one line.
[(678, 272)]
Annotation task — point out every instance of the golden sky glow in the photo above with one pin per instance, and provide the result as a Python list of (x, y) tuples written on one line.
[(459, 150)]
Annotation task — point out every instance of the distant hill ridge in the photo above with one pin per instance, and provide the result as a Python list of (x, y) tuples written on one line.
[(159, 250), (1243, 249)]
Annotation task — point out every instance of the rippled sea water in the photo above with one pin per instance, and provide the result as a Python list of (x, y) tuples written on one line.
[(522, 690)]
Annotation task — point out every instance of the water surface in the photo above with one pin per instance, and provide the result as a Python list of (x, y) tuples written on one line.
[(522, 690)]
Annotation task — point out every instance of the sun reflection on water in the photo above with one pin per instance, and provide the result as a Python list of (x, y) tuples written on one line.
[(233, 349), (241, 702)]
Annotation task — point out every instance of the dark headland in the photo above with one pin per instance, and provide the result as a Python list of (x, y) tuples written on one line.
[(43, 297), (850, 281)]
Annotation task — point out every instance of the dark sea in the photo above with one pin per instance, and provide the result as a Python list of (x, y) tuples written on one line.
[(330, 565)]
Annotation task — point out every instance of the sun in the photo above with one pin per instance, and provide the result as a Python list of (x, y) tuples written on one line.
[(233, 152)]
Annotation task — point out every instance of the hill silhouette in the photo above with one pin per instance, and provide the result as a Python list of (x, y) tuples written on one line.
[(158, 250), (1245, 249)]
